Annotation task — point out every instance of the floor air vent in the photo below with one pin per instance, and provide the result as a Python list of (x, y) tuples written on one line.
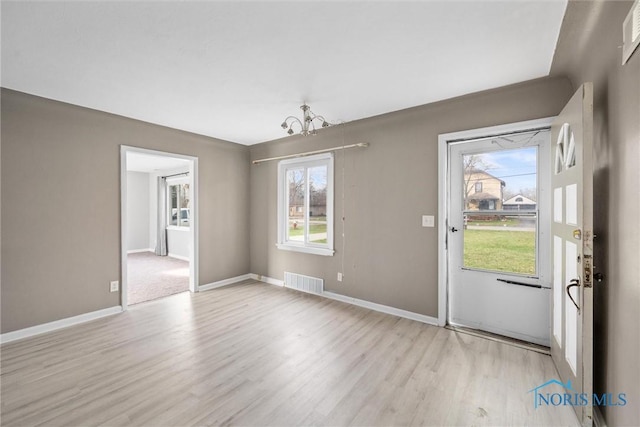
[(312, 285)]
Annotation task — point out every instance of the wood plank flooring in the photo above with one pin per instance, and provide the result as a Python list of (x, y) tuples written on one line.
[(254, 354)]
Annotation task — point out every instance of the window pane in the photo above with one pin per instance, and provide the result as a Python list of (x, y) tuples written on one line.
[(185, 205), (296, 206), (504, 243), (501, 180), (318, 204), (173, 205)]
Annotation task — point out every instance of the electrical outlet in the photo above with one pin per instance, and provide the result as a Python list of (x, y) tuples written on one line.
[(428, 221), (114, 286), (339, 277)]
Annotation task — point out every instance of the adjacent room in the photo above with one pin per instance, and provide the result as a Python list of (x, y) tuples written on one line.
[(158, 217), (320, 213)]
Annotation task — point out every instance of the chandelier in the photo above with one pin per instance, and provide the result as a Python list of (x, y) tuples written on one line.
[(307, 124)]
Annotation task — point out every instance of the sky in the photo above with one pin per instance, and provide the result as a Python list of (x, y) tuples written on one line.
[(517, 168)]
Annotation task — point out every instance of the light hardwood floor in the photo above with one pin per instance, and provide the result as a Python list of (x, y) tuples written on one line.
[(254, 354)]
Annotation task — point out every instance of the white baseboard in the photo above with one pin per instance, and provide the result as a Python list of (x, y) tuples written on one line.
[(598, 419), (383, 308), (183, 258), (359, 302), (225, 282), (266, 279), (58, 324), (137, 251)]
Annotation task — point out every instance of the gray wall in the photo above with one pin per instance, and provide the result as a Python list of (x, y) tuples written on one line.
[(59, 158), (137, 211), (388, 257), (588, 50)]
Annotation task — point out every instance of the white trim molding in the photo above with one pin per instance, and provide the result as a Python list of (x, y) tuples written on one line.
[(58, 324), (382, 308), (225, 282), (355, 301), (180, 257), (138, 251), (267, 280)]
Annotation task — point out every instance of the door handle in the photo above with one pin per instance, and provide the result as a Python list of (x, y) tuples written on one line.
[(573, 283), (453, 229)]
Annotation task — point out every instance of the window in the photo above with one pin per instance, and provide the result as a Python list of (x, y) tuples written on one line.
[(519, 199), (305, 204), (478, 187), (179, 203)]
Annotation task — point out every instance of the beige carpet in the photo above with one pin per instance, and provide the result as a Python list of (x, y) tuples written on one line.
[(151, 276)]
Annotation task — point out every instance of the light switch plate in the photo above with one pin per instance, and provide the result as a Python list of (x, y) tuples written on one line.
[(428, 221)]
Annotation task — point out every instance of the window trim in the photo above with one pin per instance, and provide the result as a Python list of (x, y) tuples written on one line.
[(325, 249)]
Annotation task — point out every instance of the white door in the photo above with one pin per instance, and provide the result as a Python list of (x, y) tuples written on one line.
[(572, 248), (498, 234)]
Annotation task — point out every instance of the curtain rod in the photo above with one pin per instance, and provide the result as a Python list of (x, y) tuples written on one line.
[(308, 153), (176, 174)]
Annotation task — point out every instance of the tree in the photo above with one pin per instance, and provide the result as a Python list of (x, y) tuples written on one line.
[(472, 163), (296, 187)]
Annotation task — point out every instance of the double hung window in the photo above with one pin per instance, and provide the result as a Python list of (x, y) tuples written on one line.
[(305, 204)]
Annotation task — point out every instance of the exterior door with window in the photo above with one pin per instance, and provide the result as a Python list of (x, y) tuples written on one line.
[(498, 234), (572, 248)]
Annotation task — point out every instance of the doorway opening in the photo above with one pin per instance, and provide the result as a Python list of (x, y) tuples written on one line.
[(159, 223), (495, 230)]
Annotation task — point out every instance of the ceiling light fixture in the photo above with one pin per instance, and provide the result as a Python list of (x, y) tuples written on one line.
[(307, 125)]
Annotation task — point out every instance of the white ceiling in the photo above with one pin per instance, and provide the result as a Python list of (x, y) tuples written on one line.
[(234, 70), (139, 162)]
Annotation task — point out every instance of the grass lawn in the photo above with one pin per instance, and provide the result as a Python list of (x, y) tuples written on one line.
[(509, 251), (313, 229)]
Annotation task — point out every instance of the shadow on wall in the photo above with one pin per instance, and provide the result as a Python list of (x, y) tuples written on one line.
[(601, 158)]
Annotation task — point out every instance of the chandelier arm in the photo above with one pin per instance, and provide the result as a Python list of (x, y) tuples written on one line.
[(294, 120), (291, 117)]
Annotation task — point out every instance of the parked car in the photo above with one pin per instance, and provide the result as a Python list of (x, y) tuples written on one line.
[(185, 216)]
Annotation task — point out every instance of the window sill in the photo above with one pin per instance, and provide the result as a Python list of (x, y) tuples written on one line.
[(176, 228), (305, 249)]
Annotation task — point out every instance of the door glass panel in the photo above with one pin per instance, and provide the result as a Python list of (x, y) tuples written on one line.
[(296, 213), (500, 209), (505, 243), (500, 180), (318, 204)]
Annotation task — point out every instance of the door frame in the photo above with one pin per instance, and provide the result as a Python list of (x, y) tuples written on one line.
[(443, 196), (193, 229)]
